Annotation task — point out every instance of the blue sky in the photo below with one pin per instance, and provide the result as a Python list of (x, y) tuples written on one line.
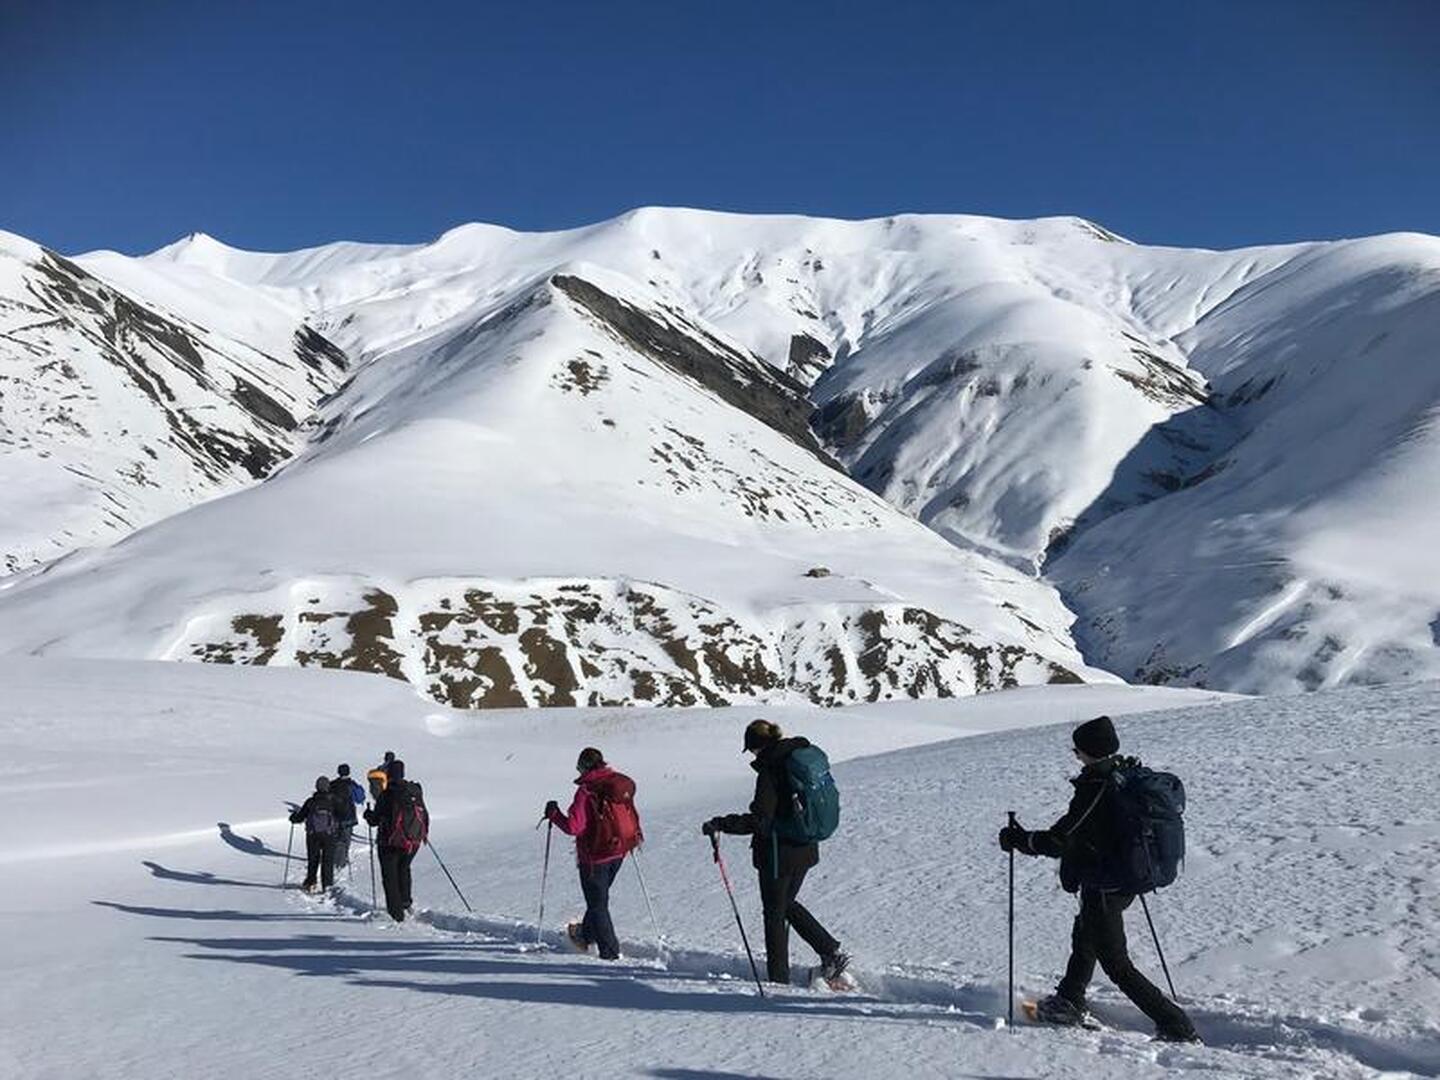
[(279, 125)]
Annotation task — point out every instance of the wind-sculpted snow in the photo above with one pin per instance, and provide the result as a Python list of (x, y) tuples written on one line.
[(114, 414), (488, 644)]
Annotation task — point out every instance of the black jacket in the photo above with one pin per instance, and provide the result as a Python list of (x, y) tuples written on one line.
[(1082, 838), (770, 853), (381, 815), (344, 788)]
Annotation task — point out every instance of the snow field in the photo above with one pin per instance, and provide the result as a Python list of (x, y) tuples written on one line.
[(146, 940)]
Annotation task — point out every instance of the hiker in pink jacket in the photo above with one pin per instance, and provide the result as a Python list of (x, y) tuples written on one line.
[(606, 828)]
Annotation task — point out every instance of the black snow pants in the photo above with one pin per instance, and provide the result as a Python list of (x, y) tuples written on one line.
[(319, 857), (395, 875), (1099, 936), (782, 910)]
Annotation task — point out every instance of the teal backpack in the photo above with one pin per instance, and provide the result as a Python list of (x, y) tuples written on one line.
[(814, 812)]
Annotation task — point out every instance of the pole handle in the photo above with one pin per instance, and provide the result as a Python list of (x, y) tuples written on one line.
[(715, 847)]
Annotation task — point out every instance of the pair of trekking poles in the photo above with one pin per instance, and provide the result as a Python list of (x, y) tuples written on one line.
[(639, 876), (1010, 996)]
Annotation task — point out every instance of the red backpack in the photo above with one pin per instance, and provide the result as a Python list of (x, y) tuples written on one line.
[(615, 830), (409, 825)]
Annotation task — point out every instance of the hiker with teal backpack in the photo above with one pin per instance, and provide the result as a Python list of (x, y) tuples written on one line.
[(796, 806)]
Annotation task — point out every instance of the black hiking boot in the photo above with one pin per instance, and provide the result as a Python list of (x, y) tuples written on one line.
[(1178, 1035), (1060, 1011), (833, 966)]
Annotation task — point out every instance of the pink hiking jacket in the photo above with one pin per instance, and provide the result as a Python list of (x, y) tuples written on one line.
[(577, 822)]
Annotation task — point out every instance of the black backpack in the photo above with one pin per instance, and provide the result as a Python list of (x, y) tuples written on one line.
[(1148, 817)]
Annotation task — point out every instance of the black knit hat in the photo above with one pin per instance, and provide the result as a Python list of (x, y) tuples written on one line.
[(1097, 737), (395, 770), (322, 783), (589, 758), (759, 733), (343, 770)]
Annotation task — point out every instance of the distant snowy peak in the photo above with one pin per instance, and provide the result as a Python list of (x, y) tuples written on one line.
[(114, 413)]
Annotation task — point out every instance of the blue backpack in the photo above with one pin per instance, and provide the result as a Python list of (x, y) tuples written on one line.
[(814, 806), (1149, 821)]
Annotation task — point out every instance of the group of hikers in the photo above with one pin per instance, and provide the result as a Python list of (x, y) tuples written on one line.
[(397, 814), (1119, 837)]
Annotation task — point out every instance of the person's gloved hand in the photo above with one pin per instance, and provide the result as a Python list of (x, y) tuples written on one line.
[(552, 807), (711, 827), (1011, 837)]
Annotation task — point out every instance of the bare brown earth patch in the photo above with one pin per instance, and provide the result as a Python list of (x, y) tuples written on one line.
[(596, 642)]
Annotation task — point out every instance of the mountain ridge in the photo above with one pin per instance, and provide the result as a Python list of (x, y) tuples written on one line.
[(1026, 390)]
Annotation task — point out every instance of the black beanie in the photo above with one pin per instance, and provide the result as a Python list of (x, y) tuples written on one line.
[(343, 770), (760, 733), (1097, 737), (395, 770), (589, 758), (322, 783)]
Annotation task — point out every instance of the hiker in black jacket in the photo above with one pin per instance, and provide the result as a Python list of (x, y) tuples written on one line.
[(394, 853), (321, 823), (781, 863), (1083, 840)]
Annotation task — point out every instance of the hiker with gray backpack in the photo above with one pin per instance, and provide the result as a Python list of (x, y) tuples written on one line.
[(1122, 836), (322, 822), (796, 806)]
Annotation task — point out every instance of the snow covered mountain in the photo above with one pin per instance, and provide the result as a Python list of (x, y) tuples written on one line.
[(116, 412), (583, 466)]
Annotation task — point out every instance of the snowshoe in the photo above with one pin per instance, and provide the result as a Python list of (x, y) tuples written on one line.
[(833, 973), (1183, 1035), (576, 933), (1060, 1012)]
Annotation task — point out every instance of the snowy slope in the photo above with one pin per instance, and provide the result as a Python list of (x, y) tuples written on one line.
[(1213, 455), (1299, 551), (574, 496), (1302, 933), (116, 412)]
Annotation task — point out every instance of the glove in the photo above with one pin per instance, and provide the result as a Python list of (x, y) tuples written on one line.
[(1012, 837), (711, 827), (551, 808)]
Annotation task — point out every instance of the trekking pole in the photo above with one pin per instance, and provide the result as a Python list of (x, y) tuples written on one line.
[(1159, 952), (654, 922), (1010, 995), (725, 878), (544, 876), (289, 844), (447, 874), (370, 836)]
